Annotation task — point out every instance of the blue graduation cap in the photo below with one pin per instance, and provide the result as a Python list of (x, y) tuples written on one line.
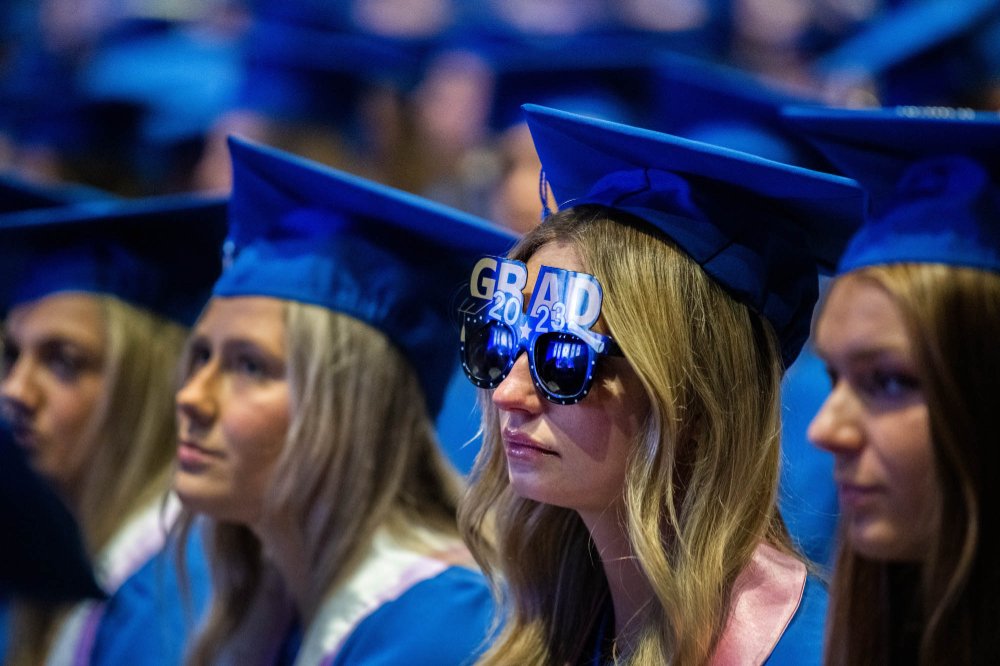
[(18, 194), (924, 52), (759, 228), (162, 254), (931, 175), (306, 73), (609, 77), (704, 101), (182, 79), (304, 232)]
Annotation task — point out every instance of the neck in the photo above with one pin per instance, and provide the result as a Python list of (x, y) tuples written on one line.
[(287, 552), (631, 593)]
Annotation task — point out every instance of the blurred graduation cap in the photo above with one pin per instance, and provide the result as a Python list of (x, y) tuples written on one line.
[(304, 232), (932, 177), (179, 79), (704, 101), (303, 73), (43, 557), (43, 106), (923, 53), (607, 77), (18, 194), (161, 254), (758, 227)]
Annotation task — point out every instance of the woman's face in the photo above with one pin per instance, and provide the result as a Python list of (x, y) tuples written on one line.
[(875, 422), (233, 409), (53, 381), (574, 456)]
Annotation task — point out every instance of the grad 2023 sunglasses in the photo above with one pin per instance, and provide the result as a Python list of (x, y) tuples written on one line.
[(554, 331)]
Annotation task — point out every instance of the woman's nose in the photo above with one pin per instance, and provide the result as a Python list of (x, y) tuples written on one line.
[(19, 390), (517, 390), (836, 427), (197, 400)]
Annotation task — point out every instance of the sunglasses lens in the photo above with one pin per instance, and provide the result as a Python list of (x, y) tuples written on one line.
[(488, 351), (562, 363)]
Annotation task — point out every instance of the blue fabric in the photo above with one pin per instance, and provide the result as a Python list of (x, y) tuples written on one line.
[(807, 495), (802, 642), (933, 180), (441, 621), (4, 625), (759, 228), (458, 423), (160, 253), (148, 619), (398, 262)]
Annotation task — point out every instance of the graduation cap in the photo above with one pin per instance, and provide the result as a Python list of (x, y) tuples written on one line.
[(931, 175), (302, 73), (609, 77), (182, 79), (161, 254), (923, 53), (43, 557), (304, 232), (18, 194), (759, 228), (704, 101)]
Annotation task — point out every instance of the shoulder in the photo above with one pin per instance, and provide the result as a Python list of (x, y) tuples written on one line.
[(152, 612), (441, 620), (802, 642)]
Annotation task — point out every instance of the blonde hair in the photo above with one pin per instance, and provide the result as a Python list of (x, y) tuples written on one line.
[(361, 454), (701, 482), (135, 429), (952, 318)]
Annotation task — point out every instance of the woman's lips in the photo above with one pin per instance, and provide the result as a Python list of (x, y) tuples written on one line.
[(520, 446), (192, 456)]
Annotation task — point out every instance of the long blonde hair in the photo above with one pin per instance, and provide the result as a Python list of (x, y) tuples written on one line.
[(952, 319), (701, 483), (135, 428), (360, 455)]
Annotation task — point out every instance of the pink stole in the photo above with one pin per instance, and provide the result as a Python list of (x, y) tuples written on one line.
[(766, 596)]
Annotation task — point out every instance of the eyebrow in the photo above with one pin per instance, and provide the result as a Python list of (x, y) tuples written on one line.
[(863, 354)]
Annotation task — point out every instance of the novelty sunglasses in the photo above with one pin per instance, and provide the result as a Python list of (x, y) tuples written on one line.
[(562, 352)]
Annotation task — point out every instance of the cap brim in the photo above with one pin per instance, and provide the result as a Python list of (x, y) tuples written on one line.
[(875, 146)]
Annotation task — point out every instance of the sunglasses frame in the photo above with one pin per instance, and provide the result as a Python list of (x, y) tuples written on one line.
[(528, 346)]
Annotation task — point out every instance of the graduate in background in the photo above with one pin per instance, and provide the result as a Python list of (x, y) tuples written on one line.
[(44, 558), (306, 431), (96, 299), (908, 332), (630, 456)]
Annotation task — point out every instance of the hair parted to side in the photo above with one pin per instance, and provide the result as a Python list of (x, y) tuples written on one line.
[(952, 317), (361, 454), (701, 484), (135, 430)]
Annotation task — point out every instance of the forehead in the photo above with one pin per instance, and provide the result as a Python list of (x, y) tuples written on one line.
[(557, 255), (72, 315), (259, 318), (859, 314)]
